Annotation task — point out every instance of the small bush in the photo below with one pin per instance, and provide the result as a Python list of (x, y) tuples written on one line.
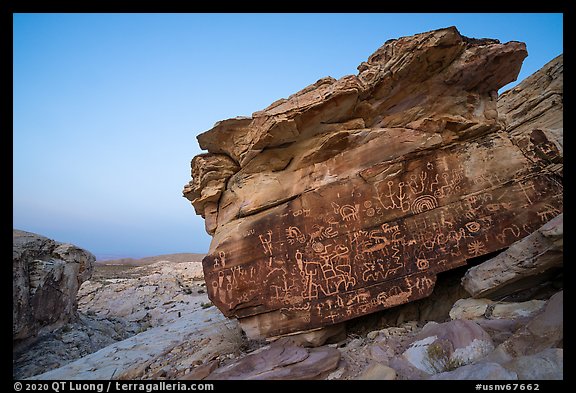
[(439, 360)]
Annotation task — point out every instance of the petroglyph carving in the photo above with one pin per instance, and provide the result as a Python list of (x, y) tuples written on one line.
[(300, 212), (318, 247), (394, 194), (422, 283), (369, 209), (476, 248), (423, 203), (293, 234), (329, 232), (422, 263), (527, 189), (472, 226), (511, 232), (328, 275), (266, 242), (548, 213), (347, 212), (317, 234)]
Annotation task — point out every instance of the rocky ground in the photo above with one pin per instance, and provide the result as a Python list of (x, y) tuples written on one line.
[(156, 322), (117, 303)]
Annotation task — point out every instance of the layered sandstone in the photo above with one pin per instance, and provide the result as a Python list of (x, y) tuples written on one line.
[(349, 196), (533, 117), (46, 276)]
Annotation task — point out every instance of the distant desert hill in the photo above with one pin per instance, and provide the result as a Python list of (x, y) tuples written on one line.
[(176, 258)]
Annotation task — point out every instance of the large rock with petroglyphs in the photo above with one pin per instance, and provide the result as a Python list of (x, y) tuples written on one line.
[(351, 195)]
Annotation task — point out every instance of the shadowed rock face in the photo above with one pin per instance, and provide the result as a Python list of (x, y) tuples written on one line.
[(46, 278), (349, 196)]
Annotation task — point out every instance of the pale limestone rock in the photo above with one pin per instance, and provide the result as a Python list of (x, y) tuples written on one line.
[(471, 308), (505, 310), (128, 359), (478, 372), (545, 365), (441, 347), (378, 371), (545, 330), (381, 352), (417, 354), (72, 341), (114, 309), (159, 293)]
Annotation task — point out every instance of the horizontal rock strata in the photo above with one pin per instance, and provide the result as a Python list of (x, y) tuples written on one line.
[(349, 196), (46, 276)]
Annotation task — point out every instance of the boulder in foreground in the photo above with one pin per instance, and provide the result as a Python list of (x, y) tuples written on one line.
[(46, 278)]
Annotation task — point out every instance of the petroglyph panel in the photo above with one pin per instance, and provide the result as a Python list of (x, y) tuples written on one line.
[(357, 246), (351, 195)]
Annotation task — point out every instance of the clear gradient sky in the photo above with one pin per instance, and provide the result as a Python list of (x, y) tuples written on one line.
[(107, 106)]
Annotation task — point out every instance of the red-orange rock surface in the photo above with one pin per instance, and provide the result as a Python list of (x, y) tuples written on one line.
[(349, 196)]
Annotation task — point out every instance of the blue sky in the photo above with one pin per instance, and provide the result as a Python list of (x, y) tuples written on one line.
[(106, 107)]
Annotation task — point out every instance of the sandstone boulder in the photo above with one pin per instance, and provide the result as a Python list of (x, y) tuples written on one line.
[(446, 346), (46, 278), (545, 330), (526, 263), (378, 371), (545, 365), (533, 116), (281, 360), (351, 195), (484, 308)]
